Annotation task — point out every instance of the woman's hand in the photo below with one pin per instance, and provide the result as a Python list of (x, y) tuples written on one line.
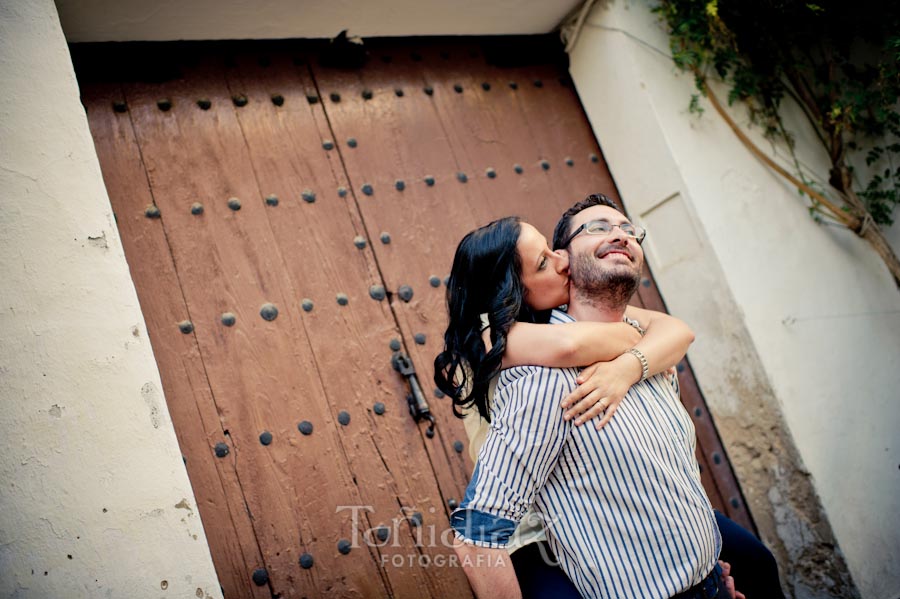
[(601, 388)]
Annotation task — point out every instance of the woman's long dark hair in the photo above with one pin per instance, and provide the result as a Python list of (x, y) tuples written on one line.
[(486, 278)]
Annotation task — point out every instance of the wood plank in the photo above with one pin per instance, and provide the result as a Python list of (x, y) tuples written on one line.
[(482, 138), (262, 373), (187, 390), (401, 138), (553, 111), (287, 147)]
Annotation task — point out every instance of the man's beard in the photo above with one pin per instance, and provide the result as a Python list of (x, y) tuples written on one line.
[(609, 287)]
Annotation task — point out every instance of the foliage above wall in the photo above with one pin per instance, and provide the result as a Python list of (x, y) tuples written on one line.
[(840, 61)]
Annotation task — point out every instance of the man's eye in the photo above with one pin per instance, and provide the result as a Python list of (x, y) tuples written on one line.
[(600, 227)]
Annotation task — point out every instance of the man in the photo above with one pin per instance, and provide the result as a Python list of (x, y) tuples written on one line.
[(624, 508)]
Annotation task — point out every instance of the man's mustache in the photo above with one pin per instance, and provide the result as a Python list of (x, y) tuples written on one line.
[(608, 248)]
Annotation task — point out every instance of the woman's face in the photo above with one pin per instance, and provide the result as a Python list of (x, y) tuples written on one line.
[(545, 273)]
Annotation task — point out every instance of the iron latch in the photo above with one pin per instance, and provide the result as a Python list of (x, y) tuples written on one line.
[(418, 407)]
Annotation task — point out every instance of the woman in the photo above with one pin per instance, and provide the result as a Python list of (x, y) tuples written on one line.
[(504, 281)]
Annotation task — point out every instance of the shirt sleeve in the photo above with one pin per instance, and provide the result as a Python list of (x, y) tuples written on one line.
[(526, 436)]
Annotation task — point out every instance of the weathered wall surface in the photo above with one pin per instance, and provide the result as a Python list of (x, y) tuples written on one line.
[(95, 499), (797, 324)]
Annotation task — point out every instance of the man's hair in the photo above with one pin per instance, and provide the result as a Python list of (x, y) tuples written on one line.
[(564, 226)]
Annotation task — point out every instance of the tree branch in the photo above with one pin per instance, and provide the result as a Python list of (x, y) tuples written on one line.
[(863, 225), (846, 219), (812, 112)]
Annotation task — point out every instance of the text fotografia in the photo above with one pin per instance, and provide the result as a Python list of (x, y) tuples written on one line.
[(433, 545), (441, 560)]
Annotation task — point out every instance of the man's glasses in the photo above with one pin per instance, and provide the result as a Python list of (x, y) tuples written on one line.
[(602, 227)]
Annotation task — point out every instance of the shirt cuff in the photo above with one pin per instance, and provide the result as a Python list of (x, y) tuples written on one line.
[(482, 529)]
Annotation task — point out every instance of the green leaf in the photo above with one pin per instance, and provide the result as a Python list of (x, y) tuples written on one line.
[(694, 106)]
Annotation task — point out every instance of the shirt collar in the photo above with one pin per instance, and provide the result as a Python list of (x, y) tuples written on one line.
[(558, 316)]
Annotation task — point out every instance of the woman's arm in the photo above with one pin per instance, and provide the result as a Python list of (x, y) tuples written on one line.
[(665, 342), (566, 344), (602, 386)]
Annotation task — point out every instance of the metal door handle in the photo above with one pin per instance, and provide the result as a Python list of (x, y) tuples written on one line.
[(418, 406)]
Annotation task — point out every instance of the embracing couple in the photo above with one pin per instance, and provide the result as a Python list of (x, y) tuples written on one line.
[(586, 481)]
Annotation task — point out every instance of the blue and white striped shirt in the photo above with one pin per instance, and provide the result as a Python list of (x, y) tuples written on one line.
[(623, 506)]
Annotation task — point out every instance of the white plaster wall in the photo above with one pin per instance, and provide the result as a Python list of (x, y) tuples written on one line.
[(798, 324), (95, 499), (893, 233), (123, 20)]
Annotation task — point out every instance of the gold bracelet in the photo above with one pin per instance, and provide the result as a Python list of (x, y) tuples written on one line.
[(645, 366)]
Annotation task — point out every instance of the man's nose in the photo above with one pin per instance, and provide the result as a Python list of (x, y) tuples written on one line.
[(617, 235)]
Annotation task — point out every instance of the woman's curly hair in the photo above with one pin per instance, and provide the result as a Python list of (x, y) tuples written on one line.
[(486, 278)]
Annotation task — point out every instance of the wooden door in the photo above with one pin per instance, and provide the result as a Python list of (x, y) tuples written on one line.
[(288, 226)]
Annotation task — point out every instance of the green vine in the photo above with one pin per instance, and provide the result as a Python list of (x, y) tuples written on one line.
[(840, 61)]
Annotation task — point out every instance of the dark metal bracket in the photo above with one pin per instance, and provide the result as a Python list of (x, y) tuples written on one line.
[(418, 406)]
